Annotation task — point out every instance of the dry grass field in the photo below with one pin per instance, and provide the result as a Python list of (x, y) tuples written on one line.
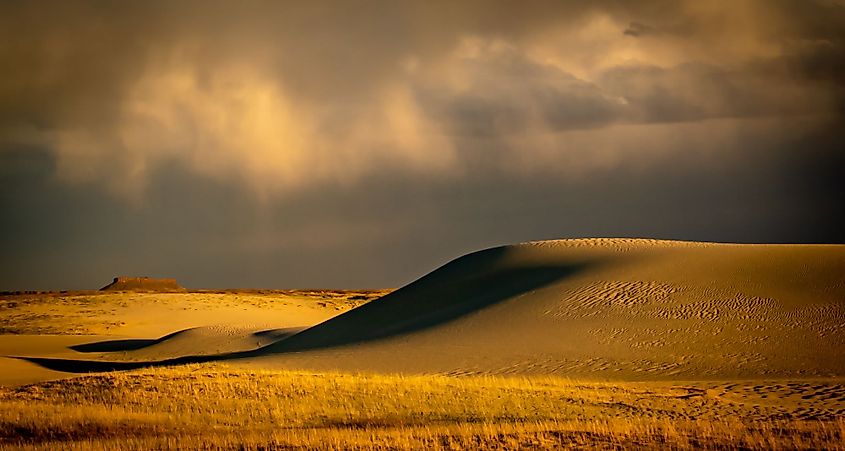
[(211, 406), (574, 343)]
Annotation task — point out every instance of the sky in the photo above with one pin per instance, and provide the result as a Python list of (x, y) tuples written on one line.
[(274, 144)]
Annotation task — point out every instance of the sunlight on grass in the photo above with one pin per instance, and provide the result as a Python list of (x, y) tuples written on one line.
[(205, 405)]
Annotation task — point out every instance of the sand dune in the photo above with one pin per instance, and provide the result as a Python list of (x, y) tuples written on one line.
[(601, 308), (592, 308), (209, 340)]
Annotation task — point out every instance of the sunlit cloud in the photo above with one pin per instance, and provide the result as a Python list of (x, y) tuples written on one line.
[(247, 102)]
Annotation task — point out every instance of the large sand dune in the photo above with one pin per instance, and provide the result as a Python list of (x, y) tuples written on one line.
[(601, 308), (590, 308)]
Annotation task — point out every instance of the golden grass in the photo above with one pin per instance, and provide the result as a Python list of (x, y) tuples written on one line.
[(214, 406)]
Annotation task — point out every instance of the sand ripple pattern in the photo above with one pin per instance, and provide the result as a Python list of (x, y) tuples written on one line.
[(617, 244), (700, 331), (652, 299)]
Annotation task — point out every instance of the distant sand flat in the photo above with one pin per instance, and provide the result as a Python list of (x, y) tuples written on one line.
[(600, 309)]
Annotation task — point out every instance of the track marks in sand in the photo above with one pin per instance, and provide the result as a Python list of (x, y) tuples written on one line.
[(804, 400), (556, 365), (653, 327), (816, 400), (593, 299), (709, 309), (659, 300)]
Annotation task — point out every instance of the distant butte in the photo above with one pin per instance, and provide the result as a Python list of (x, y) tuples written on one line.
[(143, 284)]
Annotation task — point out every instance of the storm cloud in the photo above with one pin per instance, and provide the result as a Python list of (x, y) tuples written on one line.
[(361, 143)]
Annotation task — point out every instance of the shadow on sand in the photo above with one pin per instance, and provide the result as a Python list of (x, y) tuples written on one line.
[(465, 285), (124, 345)]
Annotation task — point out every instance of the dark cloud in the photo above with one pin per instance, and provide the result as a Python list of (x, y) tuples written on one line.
[(692, 92), (637, 29), (510, 93)]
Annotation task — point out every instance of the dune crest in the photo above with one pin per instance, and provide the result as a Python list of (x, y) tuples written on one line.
[(614, 243)]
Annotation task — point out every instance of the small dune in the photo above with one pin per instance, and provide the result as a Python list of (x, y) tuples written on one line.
[(208, 340)]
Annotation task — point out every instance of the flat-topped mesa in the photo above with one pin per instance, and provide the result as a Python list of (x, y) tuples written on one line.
[(143, 284)]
